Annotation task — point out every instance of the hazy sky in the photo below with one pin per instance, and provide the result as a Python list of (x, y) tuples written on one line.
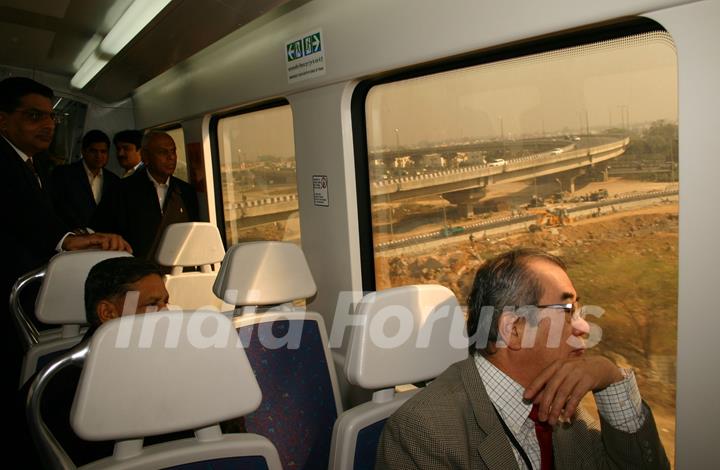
[(607, 82), (552, 90)]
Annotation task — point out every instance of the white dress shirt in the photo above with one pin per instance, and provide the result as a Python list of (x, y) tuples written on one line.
[(132, 170), (96, 182), (161, 189), (619, 404)]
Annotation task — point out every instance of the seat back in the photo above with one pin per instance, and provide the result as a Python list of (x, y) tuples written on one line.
[(160, 373), (61, 301), (197, 245), (430, 336), (287, 348)]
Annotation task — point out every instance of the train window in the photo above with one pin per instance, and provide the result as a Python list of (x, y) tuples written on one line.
[(572, 150), (257, 174), (181, 170)]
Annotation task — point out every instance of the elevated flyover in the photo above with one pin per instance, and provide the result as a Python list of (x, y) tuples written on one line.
[(481, 176), (462, 186)]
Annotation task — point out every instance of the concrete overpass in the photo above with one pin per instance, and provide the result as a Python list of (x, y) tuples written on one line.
[(481, 176), (462, 186)]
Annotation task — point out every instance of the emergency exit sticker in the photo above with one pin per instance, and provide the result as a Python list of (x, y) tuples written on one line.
[(320, 190), (305, 57)]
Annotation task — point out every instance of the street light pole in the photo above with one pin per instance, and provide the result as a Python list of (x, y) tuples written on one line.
[(397, 138)]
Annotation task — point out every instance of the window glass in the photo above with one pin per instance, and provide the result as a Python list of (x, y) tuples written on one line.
[(574, 151), (257, 173), (181, 170)]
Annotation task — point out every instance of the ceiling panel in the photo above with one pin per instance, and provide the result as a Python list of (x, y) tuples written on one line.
[(51, 35), (54, 8), (23, 46)]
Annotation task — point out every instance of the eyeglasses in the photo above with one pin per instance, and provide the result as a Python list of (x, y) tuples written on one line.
[(36, 115), (575, 310)]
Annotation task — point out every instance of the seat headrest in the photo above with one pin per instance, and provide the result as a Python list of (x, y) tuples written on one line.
[(264, 273), (61, 300), (162, 372), (190, 244), (406, 335)]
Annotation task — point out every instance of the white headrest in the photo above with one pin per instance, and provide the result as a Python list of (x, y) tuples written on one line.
[(190, 244), (162, 372), (264, 273), (407, 334), (61, 300)]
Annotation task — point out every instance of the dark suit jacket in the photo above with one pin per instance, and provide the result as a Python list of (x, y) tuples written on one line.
[(133, 211), (31, 229), (73, 196), (452, 424)]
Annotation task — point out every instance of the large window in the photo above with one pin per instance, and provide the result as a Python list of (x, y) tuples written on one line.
[(257, 174), (573, 151)]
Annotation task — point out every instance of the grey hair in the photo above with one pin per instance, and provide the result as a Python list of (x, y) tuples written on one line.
[(501, 282)]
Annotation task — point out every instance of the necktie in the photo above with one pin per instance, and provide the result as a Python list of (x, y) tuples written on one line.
[(31, 167), (543, 431)]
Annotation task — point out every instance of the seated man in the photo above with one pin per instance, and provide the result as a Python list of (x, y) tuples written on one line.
[(514, 402), (109, 284), (114, 287)]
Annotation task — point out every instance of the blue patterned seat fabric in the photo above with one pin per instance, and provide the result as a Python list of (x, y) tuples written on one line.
[(366, 446), (298, 411)]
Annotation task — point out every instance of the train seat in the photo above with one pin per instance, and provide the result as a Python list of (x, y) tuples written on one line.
[(287, 348), (192, 245), (154, 374), (433, 325), (61, 301)]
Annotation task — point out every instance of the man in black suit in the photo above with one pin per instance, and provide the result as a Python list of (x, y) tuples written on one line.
[(149, 200), (32, 231), (78, 188)]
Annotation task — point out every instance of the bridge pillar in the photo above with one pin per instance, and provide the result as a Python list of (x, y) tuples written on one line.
[(465, 200), (567, 179)]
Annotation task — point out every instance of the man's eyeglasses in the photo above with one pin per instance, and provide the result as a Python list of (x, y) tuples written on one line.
[(575, 310), (36, 115)]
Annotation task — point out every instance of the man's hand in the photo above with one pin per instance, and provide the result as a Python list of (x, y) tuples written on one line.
[(560, 387), (101, 241)]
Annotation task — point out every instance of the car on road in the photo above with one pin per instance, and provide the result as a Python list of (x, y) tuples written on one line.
[(497, 162)]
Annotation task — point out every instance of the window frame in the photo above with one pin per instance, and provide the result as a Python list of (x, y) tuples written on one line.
[(215, 153)]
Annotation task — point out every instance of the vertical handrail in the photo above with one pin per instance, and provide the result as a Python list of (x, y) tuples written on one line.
[(28, 333), (50, 451)]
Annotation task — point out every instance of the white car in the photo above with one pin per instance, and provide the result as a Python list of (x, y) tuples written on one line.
[(556, 151), (497, 162)]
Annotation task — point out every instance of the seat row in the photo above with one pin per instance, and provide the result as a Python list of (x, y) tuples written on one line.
[(273, 367)]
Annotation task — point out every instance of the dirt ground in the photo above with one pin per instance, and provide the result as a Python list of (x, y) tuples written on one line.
[(624, 262)]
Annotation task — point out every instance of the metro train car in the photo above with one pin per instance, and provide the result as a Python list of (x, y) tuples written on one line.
[(405, 142)]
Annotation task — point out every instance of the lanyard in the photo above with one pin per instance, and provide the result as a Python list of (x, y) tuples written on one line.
[(514, 441)]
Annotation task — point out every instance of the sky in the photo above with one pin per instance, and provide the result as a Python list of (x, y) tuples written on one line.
[(605, 84)]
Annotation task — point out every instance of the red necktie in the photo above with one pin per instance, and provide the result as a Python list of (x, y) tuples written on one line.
[(543, 431)]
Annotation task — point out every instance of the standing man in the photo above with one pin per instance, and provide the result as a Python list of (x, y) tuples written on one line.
[(127, 146), (78, 188), (149, 200), (33, 232), (514, 402)]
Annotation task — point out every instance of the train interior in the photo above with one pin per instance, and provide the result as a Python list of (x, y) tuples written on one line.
[(343, 148)]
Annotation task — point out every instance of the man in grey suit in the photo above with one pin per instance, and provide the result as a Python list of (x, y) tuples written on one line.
[(514, 402)]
